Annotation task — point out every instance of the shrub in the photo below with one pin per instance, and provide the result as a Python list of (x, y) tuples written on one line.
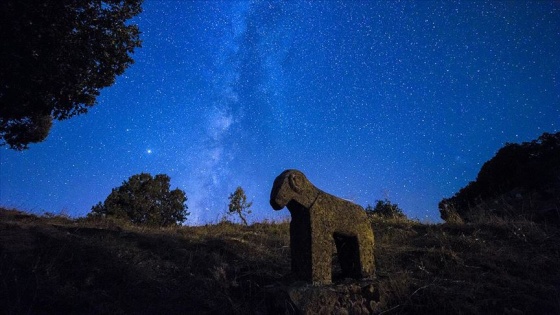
[(385, 209)]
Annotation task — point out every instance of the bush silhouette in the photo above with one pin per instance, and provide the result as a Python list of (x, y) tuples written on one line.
[(145, 200), (385, 209)]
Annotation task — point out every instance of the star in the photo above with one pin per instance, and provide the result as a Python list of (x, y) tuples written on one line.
[(361, 96)]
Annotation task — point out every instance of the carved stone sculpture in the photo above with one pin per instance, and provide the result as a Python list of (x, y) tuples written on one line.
[(318, 218)]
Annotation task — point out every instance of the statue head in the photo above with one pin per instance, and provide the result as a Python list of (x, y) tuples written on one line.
[(291, 185)]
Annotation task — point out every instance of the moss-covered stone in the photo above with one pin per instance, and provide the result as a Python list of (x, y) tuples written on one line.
[(318, 219)]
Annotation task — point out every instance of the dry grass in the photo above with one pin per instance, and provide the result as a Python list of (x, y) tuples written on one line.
[(491, 268), (57, 265)]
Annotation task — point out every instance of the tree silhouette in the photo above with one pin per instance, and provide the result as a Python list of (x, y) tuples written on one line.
[(147, 200), (238, 204), (55, 57), (530, 167)]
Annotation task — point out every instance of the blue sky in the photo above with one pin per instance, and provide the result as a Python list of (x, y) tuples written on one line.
[(384, 99)]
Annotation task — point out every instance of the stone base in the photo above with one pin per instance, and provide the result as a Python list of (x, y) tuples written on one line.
[(349, 297)]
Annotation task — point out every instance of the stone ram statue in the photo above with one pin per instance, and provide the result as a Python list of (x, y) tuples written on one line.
[(318, 218)]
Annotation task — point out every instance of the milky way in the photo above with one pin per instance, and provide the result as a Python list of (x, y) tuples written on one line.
[(371, 100)]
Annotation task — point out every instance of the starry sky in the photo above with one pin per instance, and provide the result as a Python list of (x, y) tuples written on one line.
[(370, 99)]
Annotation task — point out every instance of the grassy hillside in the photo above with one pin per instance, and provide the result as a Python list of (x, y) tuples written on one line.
[(54, 265)]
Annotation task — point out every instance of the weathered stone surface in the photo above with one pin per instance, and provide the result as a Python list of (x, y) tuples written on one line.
[(318, 219), (355, 298)]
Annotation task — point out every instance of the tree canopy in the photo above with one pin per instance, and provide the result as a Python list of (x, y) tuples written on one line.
[(516, 169), (55, 57), (146, 200)]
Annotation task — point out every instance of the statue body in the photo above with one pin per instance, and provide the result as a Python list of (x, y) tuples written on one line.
[(318, 219)]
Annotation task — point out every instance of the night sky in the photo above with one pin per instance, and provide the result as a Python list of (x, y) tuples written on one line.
[(371, 100)]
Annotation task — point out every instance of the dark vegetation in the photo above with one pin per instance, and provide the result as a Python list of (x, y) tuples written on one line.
[(55, 265), (385, 209), (238, 204), (144, 200), (54, 59), (521, 181), (130, 256)]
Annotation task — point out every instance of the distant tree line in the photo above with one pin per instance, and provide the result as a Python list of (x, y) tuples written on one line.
[(146, 200)]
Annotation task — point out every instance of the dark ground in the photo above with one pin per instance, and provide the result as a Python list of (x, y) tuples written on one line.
[(55, 265)]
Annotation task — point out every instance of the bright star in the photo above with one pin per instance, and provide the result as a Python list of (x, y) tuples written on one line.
[(149, 151)]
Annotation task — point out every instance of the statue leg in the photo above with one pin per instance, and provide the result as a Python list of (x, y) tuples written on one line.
[(300, 249), (321, 258), (367, 260)]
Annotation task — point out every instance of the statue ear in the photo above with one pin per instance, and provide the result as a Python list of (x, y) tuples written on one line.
[(296, 182)]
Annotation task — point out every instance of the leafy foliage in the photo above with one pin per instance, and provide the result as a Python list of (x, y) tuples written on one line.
[(144, 199), (527, 167), (238, 204), (55, 57), (385, 209)]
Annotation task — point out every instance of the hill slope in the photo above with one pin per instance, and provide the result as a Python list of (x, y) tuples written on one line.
[(56, 265), (520, 181)]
